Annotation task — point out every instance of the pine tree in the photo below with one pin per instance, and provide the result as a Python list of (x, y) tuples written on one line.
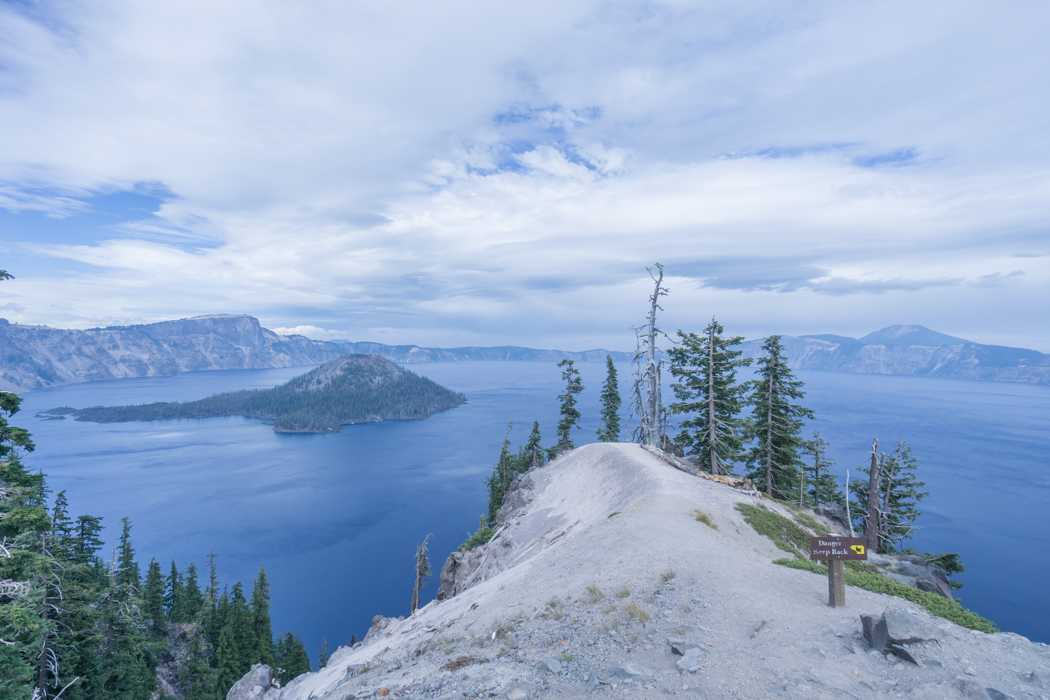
[(153, 599), (191, 593), (899, 493), (227, 662), (174, 597), (88, 541), (196, 675), (531, 454), (127, 574), (261, 620), (821, 486), (292, 659), (609, 430), (502, 475), (707, 388), (239, 621), (322, 658), (776, 423), (570, 415)]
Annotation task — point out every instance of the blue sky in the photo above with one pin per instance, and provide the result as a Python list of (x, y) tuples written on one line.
[(480, 173)]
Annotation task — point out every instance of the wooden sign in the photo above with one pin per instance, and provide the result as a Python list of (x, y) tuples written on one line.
[(838, 548)]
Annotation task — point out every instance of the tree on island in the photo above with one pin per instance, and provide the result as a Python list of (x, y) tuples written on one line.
[(570, 415), (776, 423), (609, 428), (705, 367)]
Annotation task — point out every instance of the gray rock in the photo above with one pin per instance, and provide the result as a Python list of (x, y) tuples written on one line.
[(905, 627), (833, 512), (875, 633), (592, 681), (633, 670), (903, 654), (254, 685), (969, 688), (690, 661), (1035, 679), (995, 694), (550, 665), (519, 692), (680, 647)]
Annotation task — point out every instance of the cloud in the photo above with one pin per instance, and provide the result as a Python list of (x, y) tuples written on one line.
[(483, 173)]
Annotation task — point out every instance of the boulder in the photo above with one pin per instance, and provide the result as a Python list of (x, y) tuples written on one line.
[(835, 513), (690, 661), (255, 685), (875, 631), (905, 627)]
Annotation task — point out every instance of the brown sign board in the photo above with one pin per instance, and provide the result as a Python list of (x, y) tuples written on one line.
[(835, 548)]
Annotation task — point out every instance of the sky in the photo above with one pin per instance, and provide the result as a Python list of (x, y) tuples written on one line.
[(479, 173)]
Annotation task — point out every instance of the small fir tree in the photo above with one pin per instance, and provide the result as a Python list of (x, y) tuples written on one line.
[(570, 415), (239, 621), (174, 596), (705, 367), (261, 619), (127, 574), (153, 599), (531, 454), (820, 486), (776, 424), (191, 593), (322, 658), (609, 429), (196, 674)]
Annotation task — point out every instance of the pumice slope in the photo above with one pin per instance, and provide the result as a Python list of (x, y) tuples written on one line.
[(603, 582)]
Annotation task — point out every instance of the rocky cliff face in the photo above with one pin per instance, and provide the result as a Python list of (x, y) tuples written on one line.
[(913, 351), (34, 357)]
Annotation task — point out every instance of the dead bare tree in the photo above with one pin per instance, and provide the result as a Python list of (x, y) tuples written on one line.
[(871, 518), (648, 404), (423, 572)]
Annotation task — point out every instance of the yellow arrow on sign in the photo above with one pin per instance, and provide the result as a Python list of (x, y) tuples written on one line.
[(858, 548)]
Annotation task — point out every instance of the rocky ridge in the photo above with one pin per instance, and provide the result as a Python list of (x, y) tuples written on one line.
[(603, 581)]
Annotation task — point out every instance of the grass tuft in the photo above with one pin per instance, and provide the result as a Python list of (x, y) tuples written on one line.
[(636, 611), (623, 592), (702, 517), (594, 593), (668, 575)]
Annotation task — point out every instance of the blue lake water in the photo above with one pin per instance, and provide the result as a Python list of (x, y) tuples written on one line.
[(335, 519)]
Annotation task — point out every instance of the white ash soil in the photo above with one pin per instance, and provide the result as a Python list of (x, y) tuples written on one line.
[(591, 592)]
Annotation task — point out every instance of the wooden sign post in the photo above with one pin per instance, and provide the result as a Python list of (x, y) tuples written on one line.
[(835, 551)]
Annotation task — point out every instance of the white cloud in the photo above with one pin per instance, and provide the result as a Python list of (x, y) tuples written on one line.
[(445, 174)]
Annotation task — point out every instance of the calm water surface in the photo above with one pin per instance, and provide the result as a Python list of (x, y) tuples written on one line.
[(335, 519)]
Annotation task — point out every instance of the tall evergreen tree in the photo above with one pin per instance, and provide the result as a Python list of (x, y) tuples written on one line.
[(820, 482), (174, 598), (776, 423), (705, 367), (196, 674), (292, 659), (609, 429), (570, 415), (240, 622), (191, 593), (127, 574), (227, 662), (153, 599), (261, 619), (88, 539)]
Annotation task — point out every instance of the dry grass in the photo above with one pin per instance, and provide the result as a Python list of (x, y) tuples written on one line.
[(623, 592), (702, 517), (636, 611), (668, 575), (594, 593)]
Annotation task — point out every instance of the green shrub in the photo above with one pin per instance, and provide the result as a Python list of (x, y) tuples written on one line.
[(786, 535), (483, 535)]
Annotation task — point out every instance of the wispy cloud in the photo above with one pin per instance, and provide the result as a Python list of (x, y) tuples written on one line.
[(474, 172)]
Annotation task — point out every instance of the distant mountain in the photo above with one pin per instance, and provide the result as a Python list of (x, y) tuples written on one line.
[(35, 357), (350, 389), (914, 351)]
